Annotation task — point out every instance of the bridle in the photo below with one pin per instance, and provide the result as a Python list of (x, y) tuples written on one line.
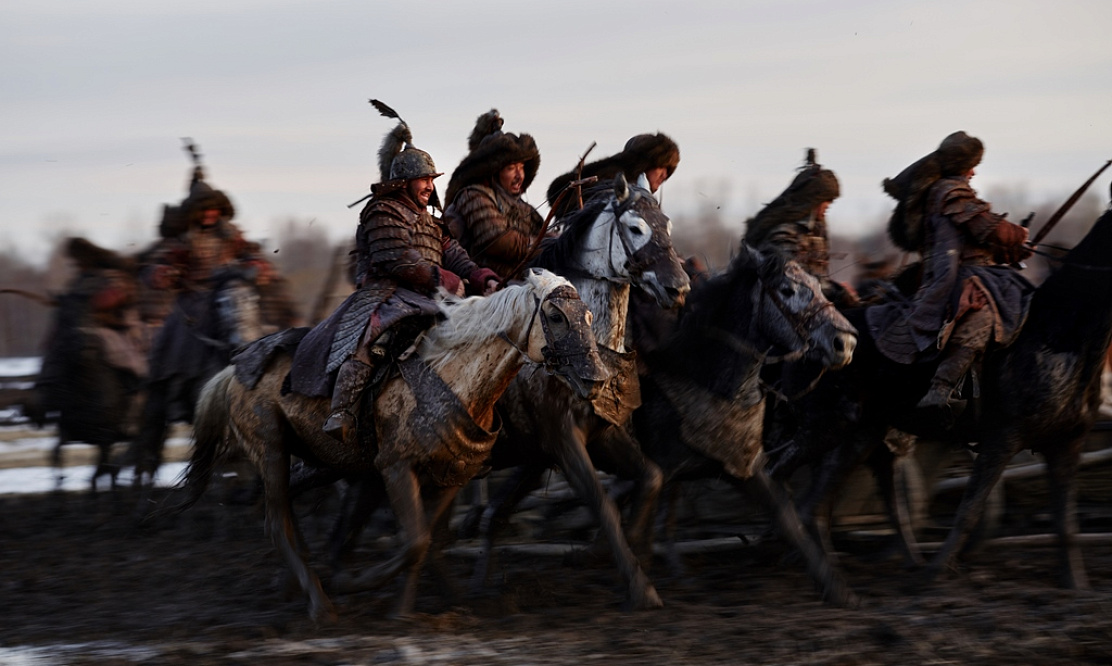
[(558, 352)]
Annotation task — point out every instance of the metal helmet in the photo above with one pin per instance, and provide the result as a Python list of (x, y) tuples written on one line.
[(413, 163)]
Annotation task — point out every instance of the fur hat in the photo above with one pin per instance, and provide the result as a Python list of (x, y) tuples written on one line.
[(88, 256), (641, 153), (491, 150), (956, 155), (811, 186), (202, 197)]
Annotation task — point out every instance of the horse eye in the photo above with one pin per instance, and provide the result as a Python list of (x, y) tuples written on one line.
[(787, 292), (556, 317), (637, 231)]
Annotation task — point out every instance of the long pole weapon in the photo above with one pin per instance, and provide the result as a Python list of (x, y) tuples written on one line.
[(554, 206), (1061, 212)]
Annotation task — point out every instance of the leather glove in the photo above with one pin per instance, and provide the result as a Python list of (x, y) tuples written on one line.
[(1008, 243)]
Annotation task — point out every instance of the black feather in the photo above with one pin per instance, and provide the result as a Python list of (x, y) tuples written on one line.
[(191, 148), (385, 110)]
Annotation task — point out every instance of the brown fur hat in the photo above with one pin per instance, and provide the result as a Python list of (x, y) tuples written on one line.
[(88, 256), (202, 197), (491, 150), (957, 154), (641, 153), (811, 186)]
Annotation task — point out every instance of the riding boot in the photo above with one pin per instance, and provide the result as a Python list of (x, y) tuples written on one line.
[(351, 380), (939, 398)]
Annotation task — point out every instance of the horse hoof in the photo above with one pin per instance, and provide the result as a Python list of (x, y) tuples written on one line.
[(323, 612), (647, 599), (841, 596)]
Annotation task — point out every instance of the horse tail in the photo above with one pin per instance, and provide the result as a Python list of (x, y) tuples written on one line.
[(210, 435)]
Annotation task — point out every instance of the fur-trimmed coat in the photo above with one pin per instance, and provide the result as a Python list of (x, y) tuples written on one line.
[(956, 249), (498, 230)]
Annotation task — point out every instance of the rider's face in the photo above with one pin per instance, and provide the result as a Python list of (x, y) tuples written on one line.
[(421, 189), (210, 216), (512, 177), (656, 177)]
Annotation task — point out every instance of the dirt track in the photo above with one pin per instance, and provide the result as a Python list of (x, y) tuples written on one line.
[(205, 589)]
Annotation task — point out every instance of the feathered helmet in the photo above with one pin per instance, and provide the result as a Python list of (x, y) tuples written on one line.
[(202, 196), (811, 186), (398, 159), (491, 150), (956, 155), (641, 153)]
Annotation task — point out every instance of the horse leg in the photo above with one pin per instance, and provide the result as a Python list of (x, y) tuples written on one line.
[(994, 455), (816, 507), (496, 516), (56, 464), (404, 492), (890, 473), (437, 521), (363, 497), (145, 452), (672, 492), (834, 589), (621, 453), (1061, 469), (275, 468), (573, 458)]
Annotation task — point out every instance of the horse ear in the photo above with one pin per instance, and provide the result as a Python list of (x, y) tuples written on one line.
[(773, 266), (643, 181), (748, 256), (621, 188)]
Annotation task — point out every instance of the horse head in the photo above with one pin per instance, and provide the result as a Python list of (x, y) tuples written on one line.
[(559, 334), (631, 241), (790, 313)]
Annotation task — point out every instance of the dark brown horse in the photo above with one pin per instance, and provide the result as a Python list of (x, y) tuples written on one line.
[(703, 402), (1040, 393), (434, 423)]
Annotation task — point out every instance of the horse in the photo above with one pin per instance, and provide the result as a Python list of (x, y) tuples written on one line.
[(1042, 393), (434, 420), (93, 364), (195, 343), (97, 400), (620, 238), (703, 402)]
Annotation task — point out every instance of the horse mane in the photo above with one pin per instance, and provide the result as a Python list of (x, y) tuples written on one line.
[(471, 322), (561, 252)]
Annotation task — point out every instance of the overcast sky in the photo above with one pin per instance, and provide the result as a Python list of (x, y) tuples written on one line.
[(95, 96)]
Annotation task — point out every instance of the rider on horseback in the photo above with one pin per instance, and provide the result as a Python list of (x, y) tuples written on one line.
[(970, 294), (404, 256), (795, 224), (485, 210), (201, 249)]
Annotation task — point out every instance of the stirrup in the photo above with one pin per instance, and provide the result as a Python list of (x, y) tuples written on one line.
[(339, 425)]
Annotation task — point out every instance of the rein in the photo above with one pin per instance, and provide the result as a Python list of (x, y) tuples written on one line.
[(1065, 262)]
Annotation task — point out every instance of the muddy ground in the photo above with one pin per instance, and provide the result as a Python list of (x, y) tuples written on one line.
[(81, 585)]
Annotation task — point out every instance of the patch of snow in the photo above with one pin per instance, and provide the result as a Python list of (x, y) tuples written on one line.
[(76, 479), (20, 366)]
